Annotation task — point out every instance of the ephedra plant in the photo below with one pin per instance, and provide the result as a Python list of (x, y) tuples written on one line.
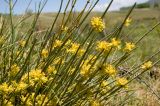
[(79, 63)]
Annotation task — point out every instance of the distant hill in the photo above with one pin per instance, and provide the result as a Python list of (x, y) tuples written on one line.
[(140, 6)]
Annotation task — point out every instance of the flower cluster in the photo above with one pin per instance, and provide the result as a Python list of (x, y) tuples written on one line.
[(35, 76), (147, 65), (97, 24), (14, 70), (75, 47), (122, 81), (44, 53), (129, 46), (128, 22), (57, 43), (110, 70), (103, 46)]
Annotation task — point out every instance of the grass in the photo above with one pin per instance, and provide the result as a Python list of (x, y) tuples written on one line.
[(111, 18), (143, 19)]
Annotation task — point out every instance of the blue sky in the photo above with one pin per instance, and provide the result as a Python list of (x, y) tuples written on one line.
[(53, 5)]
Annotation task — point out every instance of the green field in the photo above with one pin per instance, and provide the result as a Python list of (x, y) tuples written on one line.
[(142, 21)]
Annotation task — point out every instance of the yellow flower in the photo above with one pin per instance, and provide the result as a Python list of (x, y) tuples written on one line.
[(81, 52), (128, 22), (103, 45), (57, 43), (14, 70), (122, 81), (64, 28), (2, 40), (85, 69), (104, 83), (5, 88), (91, 59), (115, 42), (28, 102), (129, 46), (97, 24), (58, 60), (21, 86), (104, 91), (22, 43), (110, 70), (36, 76), (74, 47), (40, 98), (69, 42), (71, 71), (44, 53), (18, 53), (7, 103), (146, 65), (52, 69), (104, 87), (95, 103)]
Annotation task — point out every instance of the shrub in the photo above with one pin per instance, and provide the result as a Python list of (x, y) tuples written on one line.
[(61, 67)]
